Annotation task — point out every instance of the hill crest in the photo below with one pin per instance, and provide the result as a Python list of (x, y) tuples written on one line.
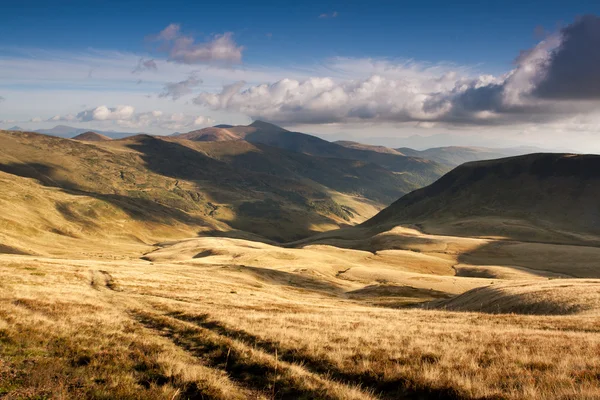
[(91, 137)]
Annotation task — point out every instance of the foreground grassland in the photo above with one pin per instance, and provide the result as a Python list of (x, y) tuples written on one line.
[(214, 328)]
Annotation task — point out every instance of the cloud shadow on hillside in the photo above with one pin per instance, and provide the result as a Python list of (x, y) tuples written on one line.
[(261, 186), (137, 208)]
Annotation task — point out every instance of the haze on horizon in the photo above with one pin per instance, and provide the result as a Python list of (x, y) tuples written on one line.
[(513, 73)]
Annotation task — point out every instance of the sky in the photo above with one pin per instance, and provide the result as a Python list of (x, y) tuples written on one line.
[(498, 73)]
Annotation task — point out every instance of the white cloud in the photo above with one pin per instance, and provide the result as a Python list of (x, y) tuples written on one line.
[(203, 121), (124, 116), (175, 90), (325, 100), (171, 32), (329, 15), (564, 66), (181, 48), (35, 119), (103, 113)]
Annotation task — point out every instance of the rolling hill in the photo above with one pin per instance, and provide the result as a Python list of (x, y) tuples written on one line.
[(91, 137), (456, 155), (513, 218), (544, 197), (212, 134), (555, 297), (451, 156), (146, 188)]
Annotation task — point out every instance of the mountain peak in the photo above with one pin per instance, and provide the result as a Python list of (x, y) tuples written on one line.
[(258, 124)]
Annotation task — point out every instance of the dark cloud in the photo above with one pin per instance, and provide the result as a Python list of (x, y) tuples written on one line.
[(145, 65), (175, 90), (573, 70)]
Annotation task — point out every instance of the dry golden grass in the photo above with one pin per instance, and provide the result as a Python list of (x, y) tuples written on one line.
[(176, 330), (143, 189), (556, 297)]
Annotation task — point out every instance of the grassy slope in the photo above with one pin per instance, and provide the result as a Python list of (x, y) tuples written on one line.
[(556, 297), (175, 188), (537, 197)]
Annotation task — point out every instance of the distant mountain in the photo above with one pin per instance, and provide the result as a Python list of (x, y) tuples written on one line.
[(91, 137), (542, 197), (456, 155), (418, 142), (433, 141), (66, 131), (451, 156), (212, 134), (423, 142), (362, 146), (416, 170), (15, 128)]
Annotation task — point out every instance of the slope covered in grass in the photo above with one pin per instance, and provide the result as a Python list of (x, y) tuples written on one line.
[(146, 188), (536, 197), (555, 297)]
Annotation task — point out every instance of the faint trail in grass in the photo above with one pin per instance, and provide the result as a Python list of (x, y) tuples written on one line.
[(251, 367), (396, 388)]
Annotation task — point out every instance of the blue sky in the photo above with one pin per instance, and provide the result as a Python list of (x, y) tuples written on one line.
[(432, 53), (470, 32)]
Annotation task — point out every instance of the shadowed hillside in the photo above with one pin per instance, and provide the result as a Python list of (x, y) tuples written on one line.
[(361, 146), (555, 297), (212, 134), (417, 171), (183, 187), (544, 197)]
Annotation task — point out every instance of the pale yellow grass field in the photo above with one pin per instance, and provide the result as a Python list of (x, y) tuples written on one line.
[(250, 320)]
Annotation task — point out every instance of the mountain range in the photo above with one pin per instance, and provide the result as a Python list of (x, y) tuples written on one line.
[(66, 131), (265, 133), (173, 183)]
